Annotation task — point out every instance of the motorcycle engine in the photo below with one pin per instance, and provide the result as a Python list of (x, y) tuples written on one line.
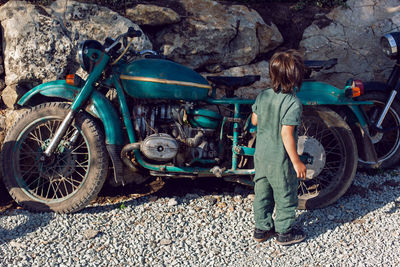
[(167, 134)]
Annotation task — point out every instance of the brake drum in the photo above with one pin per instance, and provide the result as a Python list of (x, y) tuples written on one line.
[(313, 150)]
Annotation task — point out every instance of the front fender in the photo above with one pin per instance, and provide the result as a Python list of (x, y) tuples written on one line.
[(99, 106)]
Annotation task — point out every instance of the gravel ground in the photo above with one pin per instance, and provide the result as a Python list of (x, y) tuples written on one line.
[(204, 229)]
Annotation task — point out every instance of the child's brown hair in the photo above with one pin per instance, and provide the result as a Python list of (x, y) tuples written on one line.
[(286, 70)]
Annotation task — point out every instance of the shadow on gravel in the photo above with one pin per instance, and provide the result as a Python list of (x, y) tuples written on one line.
[(113, 198), (353, 207), (25, 223)]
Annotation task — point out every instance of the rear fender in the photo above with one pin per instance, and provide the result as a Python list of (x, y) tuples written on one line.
[(98, 106)]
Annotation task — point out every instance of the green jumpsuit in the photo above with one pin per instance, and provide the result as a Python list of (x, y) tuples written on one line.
[(275, 178)]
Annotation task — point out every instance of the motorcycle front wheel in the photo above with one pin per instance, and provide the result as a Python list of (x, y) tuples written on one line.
[(66, 181), (333, 148), (387, 141)]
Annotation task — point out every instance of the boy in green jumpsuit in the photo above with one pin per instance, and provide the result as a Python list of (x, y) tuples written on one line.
[(277, 114)]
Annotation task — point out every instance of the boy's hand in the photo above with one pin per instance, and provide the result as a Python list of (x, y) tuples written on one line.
[(301, 169), (291, 148)]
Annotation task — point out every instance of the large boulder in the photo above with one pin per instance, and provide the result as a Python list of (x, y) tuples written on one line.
[(352, 35), (217, 36), (152, 15), (260, 68), (40, 44), (34, 45)]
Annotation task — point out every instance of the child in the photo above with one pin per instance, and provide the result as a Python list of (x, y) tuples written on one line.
[(277, 113)]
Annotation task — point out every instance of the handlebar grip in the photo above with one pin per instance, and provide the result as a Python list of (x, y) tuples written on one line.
[(133, 33)]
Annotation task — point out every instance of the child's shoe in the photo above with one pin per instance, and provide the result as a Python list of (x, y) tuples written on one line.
[(262, 235), (292, 237)]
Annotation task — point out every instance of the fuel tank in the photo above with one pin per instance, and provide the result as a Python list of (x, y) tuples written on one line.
[(163, 79)]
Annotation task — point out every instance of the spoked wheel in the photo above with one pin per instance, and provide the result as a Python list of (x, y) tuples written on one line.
[(387, 141), (64, 182), (327, 140)]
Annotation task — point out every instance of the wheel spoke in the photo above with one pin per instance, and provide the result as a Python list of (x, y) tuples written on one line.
[(81, 164)]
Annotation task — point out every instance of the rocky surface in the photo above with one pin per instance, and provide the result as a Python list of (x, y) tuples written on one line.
[(217, 36), (152, 15), (208, 227), (352, 35), (40, 44)]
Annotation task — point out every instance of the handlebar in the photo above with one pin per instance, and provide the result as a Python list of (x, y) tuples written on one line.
[(130, 33)]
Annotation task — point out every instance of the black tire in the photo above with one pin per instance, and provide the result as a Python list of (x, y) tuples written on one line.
[(65, 182), (335, 136), (386, 143)]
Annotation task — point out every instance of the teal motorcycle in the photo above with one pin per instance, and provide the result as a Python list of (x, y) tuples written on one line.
[(141, 115)]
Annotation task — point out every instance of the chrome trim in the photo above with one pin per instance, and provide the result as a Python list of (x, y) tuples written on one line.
[(392, 43), (156, 80), (386, 109), (59, 134)]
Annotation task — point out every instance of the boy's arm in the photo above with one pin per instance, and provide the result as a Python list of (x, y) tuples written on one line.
[(290, 146), (254, 119)]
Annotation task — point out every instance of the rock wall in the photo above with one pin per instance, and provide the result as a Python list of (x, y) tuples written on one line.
[(352, 35), (40, 43)]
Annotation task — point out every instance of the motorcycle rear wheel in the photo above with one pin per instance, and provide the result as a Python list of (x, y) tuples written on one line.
[(327, 128), (69, 179), (387, 144)]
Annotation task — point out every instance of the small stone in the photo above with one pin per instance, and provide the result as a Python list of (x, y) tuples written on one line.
[(165, 242), (172, 202), (222, 205), (17, 245), (190, 196), (153, 198), (238, 199), (331, 217), (231, 208), (211, 200), (91, 233), (251, 197)]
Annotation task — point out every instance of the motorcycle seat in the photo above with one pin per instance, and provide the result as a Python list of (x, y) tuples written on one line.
[(318, 65), (232, 83)]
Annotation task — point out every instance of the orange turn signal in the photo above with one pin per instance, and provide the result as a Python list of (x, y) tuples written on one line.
[(356, 91), (70, 79), (358, 88)]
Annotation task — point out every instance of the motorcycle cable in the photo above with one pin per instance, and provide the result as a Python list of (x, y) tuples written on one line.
[(123, 52)]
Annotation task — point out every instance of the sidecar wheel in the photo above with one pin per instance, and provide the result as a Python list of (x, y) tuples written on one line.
[(69, 179), (387, 144), (335, 145)]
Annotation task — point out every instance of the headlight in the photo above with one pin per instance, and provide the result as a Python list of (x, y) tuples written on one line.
[(390, 44), (84, 60)]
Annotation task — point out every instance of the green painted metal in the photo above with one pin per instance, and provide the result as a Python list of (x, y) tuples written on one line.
[(204, 118), (88, 88), (236, 115), (229, 101), (244, 150), (358, 112), (99, 106), (124, 109), (163, 70), (58, 88), (320, 93)]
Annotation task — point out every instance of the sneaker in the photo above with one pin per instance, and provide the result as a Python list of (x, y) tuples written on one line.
[(262, 235), (292, 237)]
